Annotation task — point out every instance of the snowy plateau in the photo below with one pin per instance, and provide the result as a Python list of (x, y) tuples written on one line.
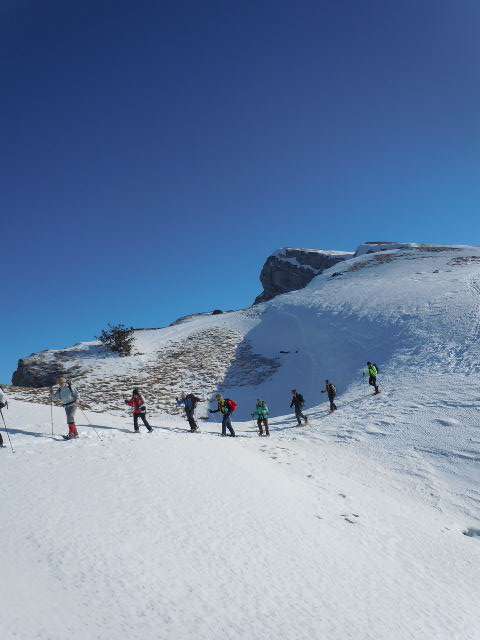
[(363, 524)]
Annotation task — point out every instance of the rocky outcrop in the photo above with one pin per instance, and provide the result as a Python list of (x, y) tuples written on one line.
[(291, 269), (40, 372)]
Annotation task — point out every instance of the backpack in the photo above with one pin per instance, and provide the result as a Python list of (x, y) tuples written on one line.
[(231, 404), (376, 367), (331, 389), (74, 393), (190, 401)]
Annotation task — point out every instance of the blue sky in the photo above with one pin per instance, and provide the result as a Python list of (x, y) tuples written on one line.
[(155, 153)]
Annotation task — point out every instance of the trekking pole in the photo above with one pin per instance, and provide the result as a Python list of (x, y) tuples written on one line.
[(51, 415), (8, 434), (90, 424)]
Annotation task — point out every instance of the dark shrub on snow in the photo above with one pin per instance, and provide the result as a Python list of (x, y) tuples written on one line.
[(117, 338)]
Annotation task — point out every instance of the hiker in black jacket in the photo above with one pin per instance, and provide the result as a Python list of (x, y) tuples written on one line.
[(298, 402), (331, 391), (190, 402)]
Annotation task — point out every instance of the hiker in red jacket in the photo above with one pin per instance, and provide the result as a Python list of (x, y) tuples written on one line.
[(139, 410)]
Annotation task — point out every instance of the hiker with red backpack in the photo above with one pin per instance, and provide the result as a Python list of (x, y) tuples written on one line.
[(226, 407), (139, 410)]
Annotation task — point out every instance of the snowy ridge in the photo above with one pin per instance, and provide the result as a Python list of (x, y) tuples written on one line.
[(281, 253)]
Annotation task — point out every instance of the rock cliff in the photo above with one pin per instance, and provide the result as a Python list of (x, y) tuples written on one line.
[(291, 269)]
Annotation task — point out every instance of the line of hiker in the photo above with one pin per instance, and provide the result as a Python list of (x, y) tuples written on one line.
[(68, 397)]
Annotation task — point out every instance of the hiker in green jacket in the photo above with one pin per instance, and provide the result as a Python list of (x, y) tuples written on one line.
[(372, 376), (261, 415)]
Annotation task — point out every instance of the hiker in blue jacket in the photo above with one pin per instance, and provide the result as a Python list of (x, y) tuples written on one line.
[(189, 403)]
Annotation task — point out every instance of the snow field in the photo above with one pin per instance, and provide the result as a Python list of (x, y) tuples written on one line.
[(176, 535)]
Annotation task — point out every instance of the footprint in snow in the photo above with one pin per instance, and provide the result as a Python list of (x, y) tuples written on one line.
[(447, 422), (374, 431), (348, 517)]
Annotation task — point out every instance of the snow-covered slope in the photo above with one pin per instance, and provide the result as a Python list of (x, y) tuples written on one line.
[(351, 527), (409, 310), (171, 535)]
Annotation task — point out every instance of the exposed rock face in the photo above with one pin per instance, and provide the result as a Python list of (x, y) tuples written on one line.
[(38, 372), (291, 269)]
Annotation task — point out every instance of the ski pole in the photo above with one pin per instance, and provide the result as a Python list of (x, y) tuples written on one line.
[(8, 434), (90, 424)]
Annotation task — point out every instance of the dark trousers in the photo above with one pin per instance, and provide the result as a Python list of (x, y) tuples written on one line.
[(227, 424), (191, 419), (372, 381), (144, 420), (264, 422), (299, 415), (333, 406)]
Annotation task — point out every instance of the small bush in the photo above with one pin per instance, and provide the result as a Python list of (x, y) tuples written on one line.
[(117, 338)]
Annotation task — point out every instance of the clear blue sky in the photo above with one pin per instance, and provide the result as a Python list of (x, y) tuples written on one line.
[(154, 153)]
